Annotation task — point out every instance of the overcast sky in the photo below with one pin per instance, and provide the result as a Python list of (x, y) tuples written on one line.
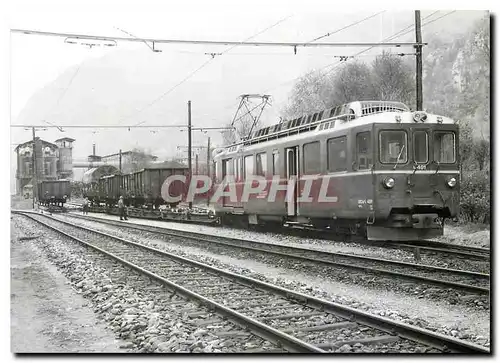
[(37, 62)]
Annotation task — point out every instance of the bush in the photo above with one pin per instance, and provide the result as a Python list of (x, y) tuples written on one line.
[(76, 189), (475, 197)]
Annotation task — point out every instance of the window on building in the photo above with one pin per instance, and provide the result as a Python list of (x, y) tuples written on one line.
[(248, 166), (444, 147), (28, 168), (420, 147), (364, 150), (393, 147), (46, 168), (312, 163), (276, 159), (337, 154), (261, 164)]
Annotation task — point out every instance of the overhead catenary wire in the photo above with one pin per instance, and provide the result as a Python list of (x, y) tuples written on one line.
[(132, 35), (401, 32), (51, 111), (206, 42), (427, 23), (331, 33), (234, 44), (203, 65), (169, 90), (347, 26), (74, 126)]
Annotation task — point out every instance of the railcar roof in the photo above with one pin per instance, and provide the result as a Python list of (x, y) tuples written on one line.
[(334, 124)]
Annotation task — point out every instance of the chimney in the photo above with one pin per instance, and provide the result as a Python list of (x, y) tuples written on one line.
[(93, 149)]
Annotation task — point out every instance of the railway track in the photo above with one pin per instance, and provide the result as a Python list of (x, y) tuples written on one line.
[(469, 281), (297, 322), (181, 214), (418, 248)]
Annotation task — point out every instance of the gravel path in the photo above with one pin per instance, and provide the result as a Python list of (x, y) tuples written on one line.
[(459, 321), (47, 315)]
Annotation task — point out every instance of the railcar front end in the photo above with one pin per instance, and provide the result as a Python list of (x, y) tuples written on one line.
[(415, 180)]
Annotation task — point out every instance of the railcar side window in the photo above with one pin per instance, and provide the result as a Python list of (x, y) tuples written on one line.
[(216, 169), (248, 167), (393, 147), (226, 168), (312, 163), (261, 164), (364, 150), (236, 168), (276, 159), (444, 147), (337, 154), (420, 147)]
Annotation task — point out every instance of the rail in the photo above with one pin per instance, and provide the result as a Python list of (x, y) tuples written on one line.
[(391, 330)]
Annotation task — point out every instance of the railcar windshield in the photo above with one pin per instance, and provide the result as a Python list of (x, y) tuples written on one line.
[(420, 147), (393, 147), (444, 147)]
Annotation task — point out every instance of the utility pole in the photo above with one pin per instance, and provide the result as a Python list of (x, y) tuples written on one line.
[(208, 168), (120, 161), (35, 169), (196, 164), (208, 158), (418, 48), (190, 168)]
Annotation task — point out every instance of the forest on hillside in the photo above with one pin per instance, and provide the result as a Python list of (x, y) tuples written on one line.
[(456, 84)]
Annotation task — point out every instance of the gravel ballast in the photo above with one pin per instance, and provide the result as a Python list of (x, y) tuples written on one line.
[(463, 322), (144, 315)]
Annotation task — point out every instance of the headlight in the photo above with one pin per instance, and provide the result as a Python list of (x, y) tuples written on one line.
[(419, 116), (452, 182), (388, 182)]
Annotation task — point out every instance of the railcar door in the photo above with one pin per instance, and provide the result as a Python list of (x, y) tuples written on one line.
[(292, 176)]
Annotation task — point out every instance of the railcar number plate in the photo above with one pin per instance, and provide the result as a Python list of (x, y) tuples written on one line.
[(421, 167)]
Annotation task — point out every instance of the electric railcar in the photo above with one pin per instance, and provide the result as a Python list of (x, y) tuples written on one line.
[(373, 167)]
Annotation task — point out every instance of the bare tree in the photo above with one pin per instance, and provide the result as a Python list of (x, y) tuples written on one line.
[(353, 82), (241, 130), (393, 79), (312, 92), (229, 136)]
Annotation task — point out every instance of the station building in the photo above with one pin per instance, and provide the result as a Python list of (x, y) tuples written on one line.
[(53, 161)]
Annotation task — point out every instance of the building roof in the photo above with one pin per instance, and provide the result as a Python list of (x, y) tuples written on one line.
[(128, 152), (93, 175), (65, 139), (44, 143), (166, 165)]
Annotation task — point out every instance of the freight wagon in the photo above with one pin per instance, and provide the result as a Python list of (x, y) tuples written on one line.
[(54, 192)]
